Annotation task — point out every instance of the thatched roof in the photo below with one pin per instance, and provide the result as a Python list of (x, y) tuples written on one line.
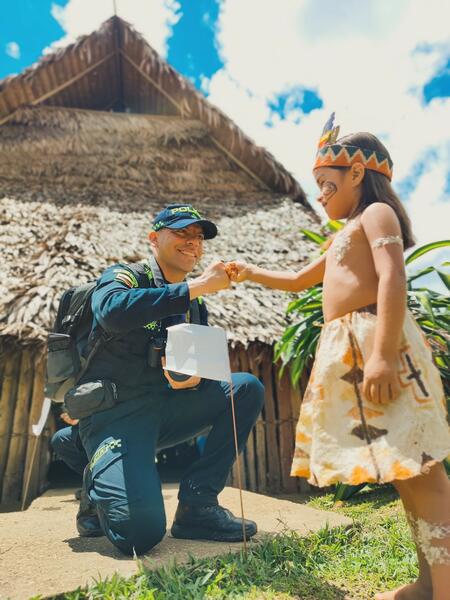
[(82, 188), (45, 248), (79, 184), (114, 68), (116, 159)]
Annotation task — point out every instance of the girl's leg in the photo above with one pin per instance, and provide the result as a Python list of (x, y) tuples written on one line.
[(430, 495), (422, 588)]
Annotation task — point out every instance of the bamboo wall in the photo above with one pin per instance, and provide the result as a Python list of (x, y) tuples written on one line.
[(265, 464), (24, 459)]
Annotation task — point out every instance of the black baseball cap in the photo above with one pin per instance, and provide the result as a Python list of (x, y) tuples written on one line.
[(177, 216)]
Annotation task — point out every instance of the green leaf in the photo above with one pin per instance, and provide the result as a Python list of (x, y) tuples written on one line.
[(445, 278), (420, 273), (334, 226), (312, 306), (313, 236), (424, 299), (439, 361), (426, 248), (289, 333), (344, 491)]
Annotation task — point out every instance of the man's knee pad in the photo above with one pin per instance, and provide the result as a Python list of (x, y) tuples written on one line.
[(133, 528)]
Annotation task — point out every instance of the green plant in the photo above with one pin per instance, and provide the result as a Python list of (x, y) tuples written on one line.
[(431, 310), (373, 554)]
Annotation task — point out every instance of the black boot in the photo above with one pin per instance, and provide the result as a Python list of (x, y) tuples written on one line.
[(88, 524), (210, 523)]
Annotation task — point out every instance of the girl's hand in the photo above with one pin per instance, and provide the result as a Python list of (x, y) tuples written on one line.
[(380, 383), (237, 271)]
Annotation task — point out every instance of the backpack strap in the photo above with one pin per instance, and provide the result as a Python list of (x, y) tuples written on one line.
[(143, 274)]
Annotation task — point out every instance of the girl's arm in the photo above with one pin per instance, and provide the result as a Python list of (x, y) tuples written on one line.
[(383, 232), (289, 281)]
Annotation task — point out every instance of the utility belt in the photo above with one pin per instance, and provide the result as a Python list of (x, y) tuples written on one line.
[(86, 399)]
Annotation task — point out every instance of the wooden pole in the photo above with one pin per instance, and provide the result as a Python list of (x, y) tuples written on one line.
[(236, 447), (249, 457), (44, 454), (31, 471), (289, 484), (259, 433), (270, 417), (7, 400), (12, 480)]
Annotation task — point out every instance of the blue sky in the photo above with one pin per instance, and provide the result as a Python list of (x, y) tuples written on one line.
[(279, 67), (29, 24)]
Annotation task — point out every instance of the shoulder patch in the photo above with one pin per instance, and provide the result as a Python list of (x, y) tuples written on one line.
[(126, 277)]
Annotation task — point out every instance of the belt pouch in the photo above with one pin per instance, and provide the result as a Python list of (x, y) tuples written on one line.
[(88, 398)]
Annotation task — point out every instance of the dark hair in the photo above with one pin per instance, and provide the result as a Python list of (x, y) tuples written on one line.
[(376, 187)]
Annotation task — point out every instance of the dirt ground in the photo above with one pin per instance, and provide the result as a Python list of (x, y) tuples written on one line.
[(41, 552)]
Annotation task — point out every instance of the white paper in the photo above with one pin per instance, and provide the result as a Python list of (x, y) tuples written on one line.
[(198, 350), (37, 429)]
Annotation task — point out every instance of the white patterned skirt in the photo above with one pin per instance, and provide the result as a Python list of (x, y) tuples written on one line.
[(342, 437)]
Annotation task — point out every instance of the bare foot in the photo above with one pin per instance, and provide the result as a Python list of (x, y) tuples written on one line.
[(412, 591)]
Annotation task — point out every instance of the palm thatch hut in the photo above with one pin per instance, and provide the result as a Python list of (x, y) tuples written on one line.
[(94, 139)]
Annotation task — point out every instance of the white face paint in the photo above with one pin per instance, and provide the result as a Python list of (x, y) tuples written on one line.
[(427, 537)]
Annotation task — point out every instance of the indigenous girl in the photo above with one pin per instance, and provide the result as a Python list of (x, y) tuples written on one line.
[(374, 409)]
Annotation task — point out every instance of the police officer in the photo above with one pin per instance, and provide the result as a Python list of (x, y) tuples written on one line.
[(143, 408)]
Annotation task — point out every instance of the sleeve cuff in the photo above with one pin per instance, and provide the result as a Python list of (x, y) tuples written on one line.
[(179, 296)]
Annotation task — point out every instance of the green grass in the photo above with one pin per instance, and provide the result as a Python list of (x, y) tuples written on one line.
[(376, 553)]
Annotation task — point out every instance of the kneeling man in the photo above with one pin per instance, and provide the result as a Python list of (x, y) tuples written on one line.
[(148, 409)]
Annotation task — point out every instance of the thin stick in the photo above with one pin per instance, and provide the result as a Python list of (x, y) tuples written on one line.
[(115, 8), (30, 471), (236, 447)]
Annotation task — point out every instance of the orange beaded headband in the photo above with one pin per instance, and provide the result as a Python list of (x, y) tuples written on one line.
[(331, 154)]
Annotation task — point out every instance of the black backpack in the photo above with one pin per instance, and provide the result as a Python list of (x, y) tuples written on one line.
[(73, 323)]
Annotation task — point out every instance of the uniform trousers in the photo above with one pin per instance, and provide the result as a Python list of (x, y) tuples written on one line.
[(121, 443), (68, 447)]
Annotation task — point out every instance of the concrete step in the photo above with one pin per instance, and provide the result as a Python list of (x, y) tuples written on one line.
[(41, 552)]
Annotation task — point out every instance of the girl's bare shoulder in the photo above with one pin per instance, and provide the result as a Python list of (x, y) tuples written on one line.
[(381, 225), (379, 213)]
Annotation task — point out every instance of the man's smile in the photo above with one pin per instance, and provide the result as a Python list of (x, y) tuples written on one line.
[(188, 253)]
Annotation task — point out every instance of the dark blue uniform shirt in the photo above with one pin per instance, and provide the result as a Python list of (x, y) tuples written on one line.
[(134, 305)]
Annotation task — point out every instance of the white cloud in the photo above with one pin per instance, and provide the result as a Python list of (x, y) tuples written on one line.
[(152, 18), (13, 50), (368, 61), (429, 211)]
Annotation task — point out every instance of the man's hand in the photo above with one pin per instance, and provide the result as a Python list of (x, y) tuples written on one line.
[(65, 417), (238, 271), (380, 384), (213, 279), (216, 278)]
